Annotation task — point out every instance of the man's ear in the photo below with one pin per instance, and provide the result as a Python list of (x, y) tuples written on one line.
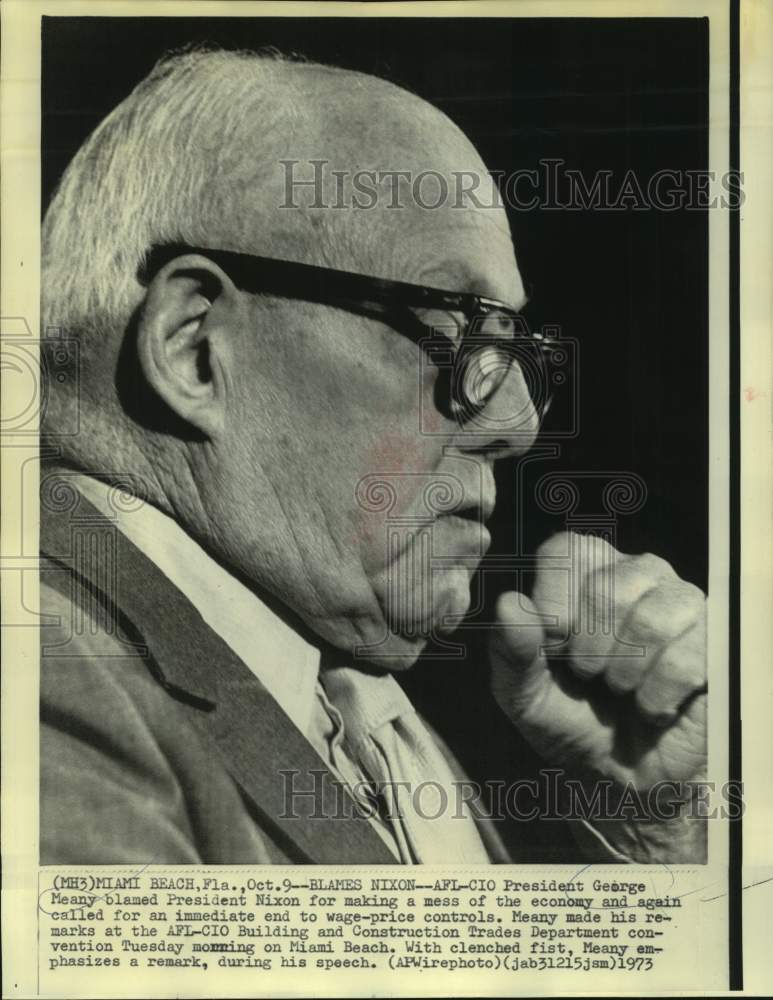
[(179, 352)]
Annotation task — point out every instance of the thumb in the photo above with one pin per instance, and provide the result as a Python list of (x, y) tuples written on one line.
[(519, 672)]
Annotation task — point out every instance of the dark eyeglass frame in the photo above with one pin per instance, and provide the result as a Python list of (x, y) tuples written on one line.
[(382, 298)]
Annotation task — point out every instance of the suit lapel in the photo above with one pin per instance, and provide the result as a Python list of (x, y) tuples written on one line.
[(265, 753)]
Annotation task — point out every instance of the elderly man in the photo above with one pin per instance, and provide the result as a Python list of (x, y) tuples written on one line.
[(272, 387)]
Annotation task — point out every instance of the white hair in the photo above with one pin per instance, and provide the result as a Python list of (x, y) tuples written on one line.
[(164, 166)]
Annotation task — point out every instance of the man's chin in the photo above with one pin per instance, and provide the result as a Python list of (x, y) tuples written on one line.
[(395, 654), (408, 635)]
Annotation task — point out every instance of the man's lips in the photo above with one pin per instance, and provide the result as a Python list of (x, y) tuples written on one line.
[(457, 534), (479, 511), (463, 531), (474, 512)]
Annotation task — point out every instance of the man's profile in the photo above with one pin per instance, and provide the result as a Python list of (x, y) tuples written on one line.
[(263, 391)]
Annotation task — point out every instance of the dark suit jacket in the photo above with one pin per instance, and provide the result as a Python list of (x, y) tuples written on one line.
[(158, 744)]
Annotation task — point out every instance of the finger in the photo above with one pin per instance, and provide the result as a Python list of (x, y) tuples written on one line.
[(519, 671), (593, 596), (660, 616), (663, 613), (611, 593), (678, 674), (564, 562), (669, 609)]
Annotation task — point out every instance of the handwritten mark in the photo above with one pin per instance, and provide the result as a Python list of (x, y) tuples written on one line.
[(751, 885)]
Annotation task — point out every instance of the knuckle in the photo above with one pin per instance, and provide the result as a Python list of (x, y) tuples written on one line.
[(588, 665), (695, 593), (594, 608), (655, 566), (556, 546), (660, 695), (665, 612), (655, 710), (681, 610), (687, 596), (627, 585), (592, 556), (624, 675), (680, 667), (645, 619)]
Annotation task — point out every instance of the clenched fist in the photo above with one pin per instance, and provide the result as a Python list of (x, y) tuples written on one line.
[(603, 670)]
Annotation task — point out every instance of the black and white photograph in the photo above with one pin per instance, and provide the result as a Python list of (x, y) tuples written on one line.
[(386, 474), (374, 484)]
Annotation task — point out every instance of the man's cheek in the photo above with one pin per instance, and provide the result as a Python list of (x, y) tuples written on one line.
[(393, 495), (398, 452)]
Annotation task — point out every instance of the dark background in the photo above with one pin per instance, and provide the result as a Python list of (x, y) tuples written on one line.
[(631, 287)]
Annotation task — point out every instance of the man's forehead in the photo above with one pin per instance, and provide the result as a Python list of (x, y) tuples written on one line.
[(372, 178), (463, 250)]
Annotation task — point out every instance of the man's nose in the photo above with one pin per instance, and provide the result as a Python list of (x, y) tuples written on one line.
[(507, 425)]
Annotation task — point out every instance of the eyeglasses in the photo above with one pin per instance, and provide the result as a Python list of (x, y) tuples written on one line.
[(476, 351)]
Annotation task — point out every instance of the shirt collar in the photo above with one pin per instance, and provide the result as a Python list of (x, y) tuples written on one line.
[(365, 700), (282, 660)]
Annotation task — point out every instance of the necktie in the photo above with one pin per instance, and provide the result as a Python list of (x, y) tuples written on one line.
[(405, 769)]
